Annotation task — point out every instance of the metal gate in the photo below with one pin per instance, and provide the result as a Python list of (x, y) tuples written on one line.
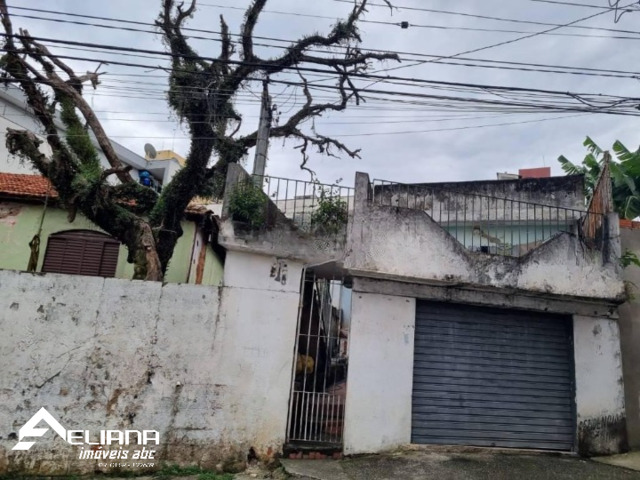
[(491, 377), (319, 383)]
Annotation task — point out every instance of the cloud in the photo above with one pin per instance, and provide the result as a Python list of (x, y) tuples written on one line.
[(136, 113)]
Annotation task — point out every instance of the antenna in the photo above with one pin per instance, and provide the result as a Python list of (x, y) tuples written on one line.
[(150, 151)]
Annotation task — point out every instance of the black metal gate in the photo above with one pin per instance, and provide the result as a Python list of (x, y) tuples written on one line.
[(491, 377), (319, 384)]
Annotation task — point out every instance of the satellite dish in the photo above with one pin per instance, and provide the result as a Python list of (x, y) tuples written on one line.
[(150, 151)]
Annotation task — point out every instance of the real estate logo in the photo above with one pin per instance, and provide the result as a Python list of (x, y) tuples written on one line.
[(96, 440)]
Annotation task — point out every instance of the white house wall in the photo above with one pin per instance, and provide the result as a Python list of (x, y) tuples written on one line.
[(599, 385), (378, 403), (209, 368), (13, 117)]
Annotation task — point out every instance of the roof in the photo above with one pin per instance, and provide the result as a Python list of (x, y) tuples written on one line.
[(32, 187), (629, 224), (21, 185)]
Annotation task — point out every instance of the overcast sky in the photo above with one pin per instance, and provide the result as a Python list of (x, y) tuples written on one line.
[(135, 112)]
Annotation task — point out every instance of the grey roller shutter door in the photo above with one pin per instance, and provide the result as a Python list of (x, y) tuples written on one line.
[(492, 377)]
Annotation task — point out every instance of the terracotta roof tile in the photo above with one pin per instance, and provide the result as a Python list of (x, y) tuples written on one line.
[(27, 186)]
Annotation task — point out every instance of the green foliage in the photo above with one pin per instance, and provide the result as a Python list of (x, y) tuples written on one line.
[(629, 258), (79, 140), (248, 204), (331, 214), (625, 175)]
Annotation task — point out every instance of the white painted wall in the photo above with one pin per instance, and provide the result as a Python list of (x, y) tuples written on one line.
[(380, 382), (599, 385), (210, 368), (13, 117)]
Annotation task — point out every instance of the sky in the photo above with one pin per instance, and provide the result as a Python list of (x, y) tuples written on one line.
[(401, 139)]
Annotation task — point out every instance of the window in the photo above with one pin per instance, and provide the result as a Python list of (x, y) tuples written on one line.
[(81, 252)]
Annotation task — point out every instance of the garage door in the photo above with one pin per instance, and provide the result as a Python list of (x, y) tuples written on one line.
[(490, 377)]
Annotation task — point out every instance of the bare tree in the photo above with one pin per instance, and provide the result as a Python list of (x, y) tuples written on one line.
[(202, 93)]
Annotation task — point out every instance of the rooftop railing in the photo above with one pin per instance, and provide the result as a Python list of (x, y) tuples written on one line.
[(482, 223), (262, 202)]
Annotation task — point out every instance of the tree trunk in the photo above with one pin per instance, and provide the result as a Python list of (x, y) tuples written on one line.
[(144, 254)]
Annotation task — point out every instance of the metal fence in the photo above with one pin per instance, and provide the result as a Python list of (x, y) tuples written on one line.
[(311, 206), (487, 224), (319, 383)]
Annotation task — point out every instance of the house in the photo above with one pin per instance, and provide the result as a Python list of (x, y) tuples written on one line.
[(28, 207), (473, 313), (482, 313)]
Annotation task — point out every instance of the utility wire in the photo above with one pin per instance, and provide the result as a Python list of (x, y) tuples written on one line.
[(457, 61), (499, 19), (298, 68), (499, 44)]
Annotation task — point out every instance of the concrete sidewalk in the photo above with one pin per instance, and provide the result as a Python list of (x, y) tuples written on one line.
[(417, 465), (629, 460)]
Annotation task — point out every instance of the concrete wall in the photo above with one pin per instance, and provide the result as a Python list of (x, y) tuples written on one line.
[(406, 244), (209, 368), (630, 339), (19, 222), (599, 386), (448, 197), (378, 403), (279, 235)]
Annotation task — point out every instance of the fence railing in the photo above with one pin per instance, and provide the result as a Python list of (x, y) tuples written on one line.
[(262, 202), (487, 224)]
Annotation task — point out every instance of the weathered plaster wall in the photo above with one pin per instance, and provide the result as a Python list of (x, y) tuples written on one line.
[(19, 222), (630, 339), (208, 367), (406, 244), (599, 386), (378, 403)]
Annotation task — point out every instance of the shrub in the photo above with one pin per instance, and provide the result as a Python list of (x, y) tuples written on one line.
[(248, 204), (331, 213)]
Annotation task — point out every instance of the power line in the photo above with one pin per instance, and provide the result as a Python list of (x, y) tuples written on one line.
[(522, 66), (617, 105), (499, 19), (576, 4), (499, 44), (387, 78)]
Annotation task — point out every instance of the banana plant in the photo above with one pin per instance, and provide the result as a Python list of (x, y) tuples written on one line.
[(625, 175)]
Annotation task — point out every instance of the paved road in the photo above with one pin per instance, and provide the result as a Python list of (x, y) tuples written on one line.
[(459, 466)]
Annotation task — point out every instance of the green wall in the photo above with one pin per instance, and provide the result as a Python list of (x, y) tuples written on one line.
[(19, 223)]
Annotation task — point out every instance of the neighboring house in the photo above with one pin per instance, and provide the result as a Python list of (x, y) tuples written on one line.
[(28, 205), (16, 114), (630, 332)]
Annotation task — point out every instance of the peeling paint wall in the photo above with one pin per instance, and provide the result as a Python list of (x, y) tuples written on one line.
[(599, 386), (405, 244), (207, 367)]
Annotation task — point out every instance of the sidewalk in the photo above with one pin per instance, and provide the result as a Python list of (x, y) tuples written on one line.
[(460, 466), (629, 460)]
